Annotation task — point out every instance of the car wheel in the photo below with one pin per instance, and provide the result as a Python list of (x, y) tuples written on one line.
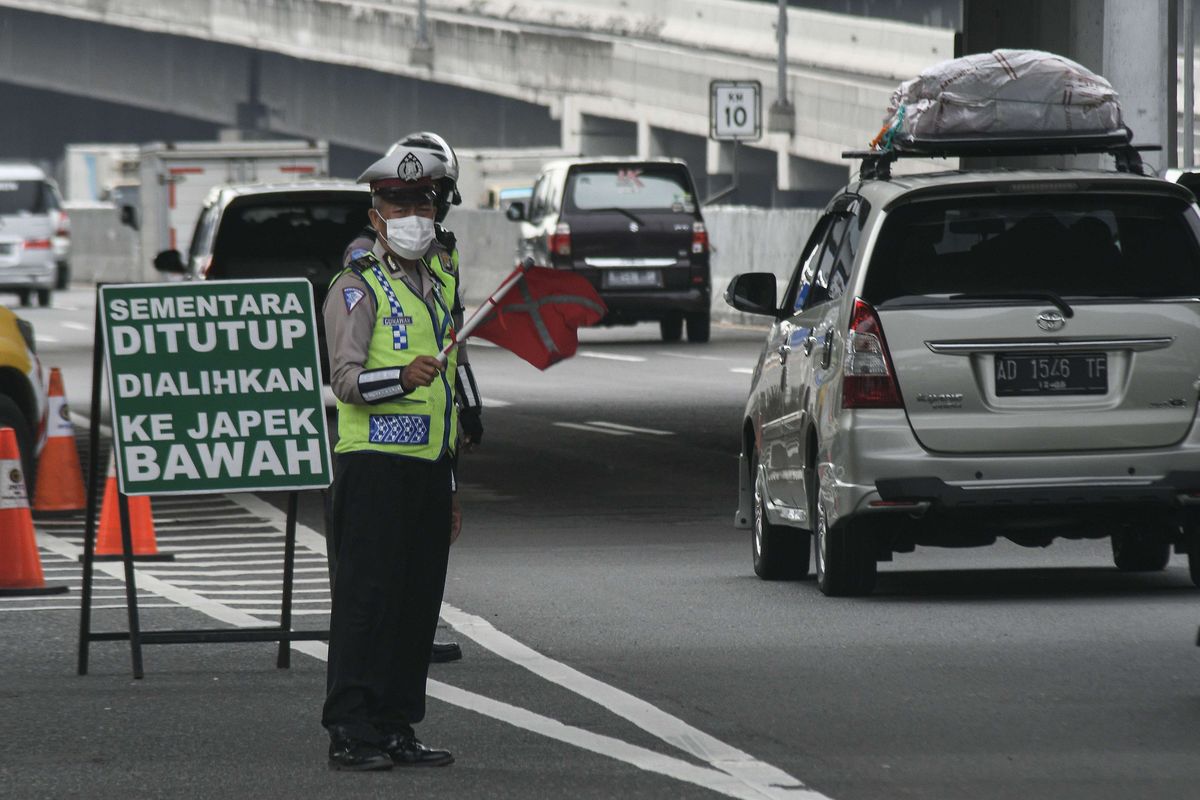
[(698, 327), (1193, 554), (1140, 552), (11, 417), (23, 296), (845, 558), (672, 328), (780, 553), (44, 298), (62, 275)]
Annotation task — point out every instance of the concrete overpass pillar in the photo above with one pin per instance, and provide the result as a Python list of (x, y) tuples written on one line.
[(1130, 42), (604, 136)]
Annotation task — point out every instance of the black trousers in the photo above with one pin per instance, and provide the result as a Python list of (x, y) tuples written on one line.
[(391, 533)]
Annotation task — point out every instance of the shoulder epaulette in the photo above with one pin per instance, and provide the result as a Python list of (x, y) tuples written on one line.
[(362, 263)]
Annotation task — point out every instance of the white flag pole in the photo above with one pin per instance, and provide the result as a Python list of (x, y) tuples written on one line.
[(481, 313)]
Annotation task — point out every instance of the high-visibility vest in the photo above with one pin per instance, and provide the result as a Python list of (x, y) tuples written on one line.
[(423, 423)]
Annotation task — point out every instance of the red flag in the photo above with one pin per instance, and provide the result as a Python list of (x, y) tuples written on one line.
[(537, 318)]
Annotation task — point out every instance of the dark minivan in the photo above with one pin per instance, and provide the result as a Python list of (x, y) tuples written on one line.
[(633, 228)]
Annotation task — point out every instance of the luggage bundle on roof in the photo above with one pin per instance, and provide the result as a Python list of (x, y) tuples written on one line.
[(1008, 93), (1007, 102)]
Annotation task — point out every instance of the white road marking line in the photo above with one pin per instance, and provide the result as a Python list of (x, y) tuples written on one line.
[(94, 607), (75, 326), (688, 355), (250, 582), (752, 778), (277, 559), (639, 757), (742, 370), (226, 549), (258, 601), (491, 402), (619, 427), (236, 592), (608, 356), (757, 775), (41, 337), (220, 573), (578, 427), (296, 612)]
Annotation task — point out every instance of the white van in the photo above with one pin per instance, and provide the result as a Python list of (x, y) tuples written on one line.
[(33, 233)]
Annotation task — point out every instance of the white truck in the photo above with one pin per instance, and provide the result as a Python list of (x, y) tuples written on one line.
[(175, 178)]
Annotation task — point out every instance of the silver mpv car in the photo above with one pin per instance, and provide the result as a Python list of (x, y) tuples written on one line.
[(973, 354)]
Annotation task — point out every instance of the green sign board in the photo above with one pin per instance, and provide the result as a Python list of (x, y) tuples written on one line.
[(215, 387)]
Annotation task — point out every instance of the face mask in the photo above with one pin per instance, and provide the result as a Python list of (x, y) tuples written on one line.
[(409, 237)]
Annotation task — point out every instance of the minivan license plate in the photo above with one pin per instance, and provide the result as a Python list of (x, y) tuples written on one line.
[(1078, 373), (632, 278)]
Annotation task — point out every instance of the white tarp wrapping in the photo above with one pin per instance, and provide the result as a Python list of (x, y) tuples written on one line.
[(1003, 92)]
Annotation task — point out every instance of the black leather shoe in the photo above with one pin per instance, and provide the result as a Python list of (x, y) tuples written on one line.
[(445, 651), (357, 756), (407, 751)]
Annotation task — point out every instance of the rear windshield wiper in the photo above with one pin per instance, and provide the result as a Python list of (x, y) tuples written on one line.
[(1048, 296), (629, 214)]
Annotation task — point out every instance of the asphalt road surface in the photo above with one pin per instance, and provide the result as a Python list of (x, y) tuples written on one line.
[(617, 643)]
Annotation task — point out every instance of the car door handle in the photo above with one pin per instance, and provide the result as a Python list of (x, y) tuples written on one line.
[(827, 354), (809, 341)]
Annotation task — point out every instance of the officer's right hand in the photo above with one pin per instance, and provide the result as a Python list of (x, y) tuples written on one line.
[(421, 371)]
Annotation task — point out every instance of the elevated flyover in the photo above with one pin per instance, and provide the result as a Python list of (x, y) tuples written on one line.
[(595, 77)]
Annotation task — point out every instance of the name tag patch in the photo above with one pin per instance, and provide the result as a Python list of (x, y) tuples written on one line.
[(399, 429), (395, 321)]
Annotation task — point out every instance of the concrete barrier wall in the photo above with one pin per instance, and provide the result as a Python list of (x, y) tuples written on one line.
[(743, 240), (102, 249)]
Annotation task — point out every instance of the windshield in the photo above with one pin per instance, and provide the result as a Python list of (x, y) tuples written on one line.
[(1081, 245), (269, 239), (26, 197), (664, 187)]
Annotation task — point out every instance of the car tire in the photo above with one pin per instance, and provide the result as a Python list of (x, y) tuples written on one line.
[(43, 298), (11, 417), (779, 552), (1134, 551), (1193, 554), (671, 328), (698, 327), (62, 275), (23, 295), (845, 557)]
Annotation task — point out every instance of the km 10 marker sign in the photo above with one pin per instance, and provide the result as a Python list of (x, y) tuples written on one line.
[(215, 387)]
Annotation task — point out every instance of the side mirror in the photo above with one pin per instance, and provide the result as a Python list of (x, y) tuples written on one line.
[(754, 293), (170, 261), (515, 212), (129, 217)]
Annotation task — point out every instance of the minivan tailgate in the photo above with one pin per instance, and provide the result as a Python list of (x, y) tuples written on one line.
[(986, 380)]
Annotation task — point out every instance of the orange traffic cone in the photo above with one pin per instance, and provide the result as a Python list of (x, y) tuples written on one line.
[(59, 478), (20, 565), (141, 525)]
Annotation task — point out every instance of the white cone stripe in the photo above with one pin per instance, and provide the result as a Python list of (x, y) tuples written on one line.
[(58, 421), (12, 485)]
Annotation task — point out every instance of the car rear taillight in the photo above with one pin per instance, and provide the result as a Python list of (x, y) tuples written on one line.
[(63, 226), (699, 238), (37, 244), (868, 380), (559, 242)]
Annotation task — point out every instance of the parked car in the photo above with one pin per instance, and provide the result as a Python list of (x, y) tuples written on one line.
[(23, 403), (285, 230), (34, 234), (634, 229), (969, 355)]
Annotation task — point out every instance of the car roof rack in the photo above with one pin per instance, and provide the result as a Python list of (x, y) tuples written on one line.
[(877, 164)]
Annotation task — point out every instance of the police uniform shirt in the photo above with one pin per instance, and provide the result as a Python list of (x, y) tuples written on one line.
[(348, 328)]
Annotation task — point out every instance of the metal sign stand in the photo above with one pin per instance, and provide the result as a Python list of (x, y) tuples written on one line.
[(136, 636)]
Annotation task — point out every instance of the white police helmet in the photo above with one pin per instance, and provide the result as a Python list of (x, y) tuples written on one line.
[(448, 186)]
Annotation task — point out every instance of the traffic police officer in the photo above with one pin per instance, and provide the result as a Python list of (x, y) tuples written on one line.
[(470, 404), (387, 318)]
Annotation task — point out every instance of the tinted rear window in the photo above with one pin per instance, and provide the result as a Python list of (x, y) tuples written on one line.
[(274, 239), (633, 186), (29, 197), (1083, 245)]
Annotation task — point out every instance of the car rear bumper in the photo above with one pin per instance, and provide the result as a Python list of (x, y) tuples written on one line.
[(633, 306), (876, 466), (39, 275)]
